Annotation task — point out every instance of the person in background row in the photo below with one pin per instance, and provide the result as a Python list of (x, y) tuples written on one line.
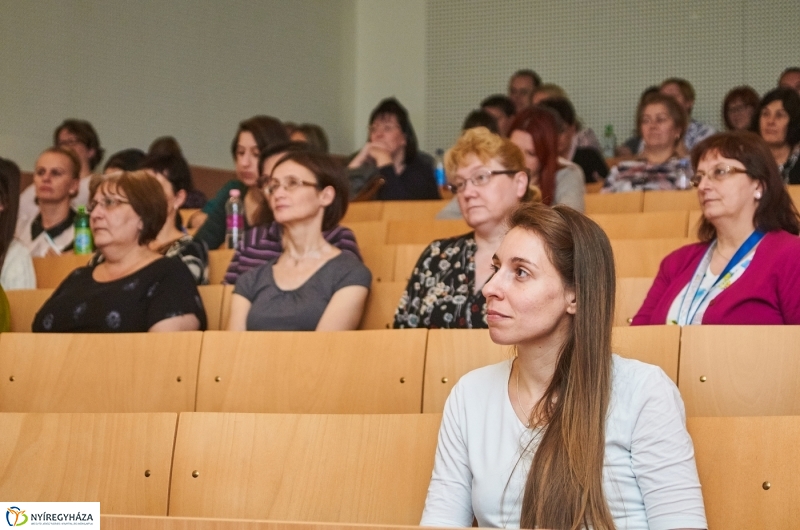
[(133, 288), (172, 172), (312, 135), (521, 87), (264, 242), (583, 137), (683, 92), (254, 136), (660, 166), (168, 146), (566, 434), (746, 268), (125, 160), (16, 265), (631, 146), (391, 153), (56, 181), (738, 108), (790, 78), (487, 175), (502, 109), (778, 122), (589, 160), (311, 285), (79, 137), (536, 131), (480, 118)]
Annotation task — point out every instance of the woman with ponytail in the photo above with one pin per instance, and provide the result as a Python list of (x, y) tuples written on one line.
[(566, 435)]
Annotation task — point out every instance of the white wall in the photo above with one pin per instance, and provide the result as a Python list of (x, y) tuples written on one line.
[(189, 68)]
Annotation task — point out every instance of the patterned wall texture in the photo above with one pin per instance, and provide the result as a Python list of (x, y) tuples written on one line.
[(603, 53)]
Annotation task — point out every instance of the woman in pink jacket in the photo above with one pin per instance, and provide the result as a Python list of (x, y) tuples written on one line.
[(746, 268)]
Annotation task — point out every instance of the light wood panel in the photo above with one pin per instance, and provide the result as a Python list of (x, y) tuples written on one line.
[(424, 231), (630, 202), (333, 468), (642, 257), (747, 370), (630, 295), (363, 211), (794, 193), (51, 270), (672, 200), (24, 304), (452, 353), (381, 305), (406, 256), (218, 261), (412, 210), (643, 225), (129, 522), (312, 372), (94, 372), (121, 460), (380, 260), (736, 457), (368, 233), (212, 302)]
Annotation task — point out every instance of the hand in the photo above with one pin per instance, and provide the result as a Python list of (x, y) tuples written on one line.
[(380, 154), (360, 158)]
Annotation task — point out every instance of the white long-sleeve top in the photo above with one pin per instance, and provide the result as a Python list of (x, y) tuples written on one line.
[(649, 475)]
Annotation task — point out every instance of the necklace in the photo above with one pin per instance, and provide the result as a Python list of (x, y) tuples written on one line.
[(521, 408), (723, 256)]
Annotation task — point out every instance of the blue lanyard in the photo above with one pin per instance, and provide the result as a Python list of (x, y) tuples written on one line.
[(699, 273)]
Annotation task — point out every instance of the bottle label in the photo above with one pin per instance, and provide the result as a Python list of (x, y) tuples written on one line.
[(83, 243), (235, 221)]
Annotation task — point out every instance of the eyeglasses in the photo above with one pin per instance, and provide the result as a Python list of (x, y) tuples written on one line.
[(289, 185), (481, 179), (716, 174), (108, 203)]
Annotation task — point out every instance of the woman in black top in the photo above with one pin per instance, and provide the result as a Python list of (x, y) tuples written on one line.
[(134, 288), (777, 120), (391, 153)]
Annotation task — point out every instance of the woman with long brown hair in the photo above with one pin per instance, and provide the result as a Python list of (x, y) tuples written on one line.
[(565, 435)]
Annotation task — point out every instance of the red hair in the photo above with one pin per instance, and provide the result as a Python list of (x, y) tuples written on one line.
[(543, 127)]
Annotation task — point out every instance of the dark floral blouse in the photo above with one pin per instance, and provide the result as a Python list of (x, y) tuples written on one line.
[(440, 293)]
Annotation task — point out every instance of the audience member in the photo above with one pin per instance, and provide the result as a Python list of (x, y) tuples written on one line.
[(172, 172), (480, 118), (583, 137), (79, 137), (778, 123), (521, 87), (487, 175), (16, 266), (738, 108), (264, 242), (565, 434), (790, 78), (125, 160), (750, 225), (168, 146), (254, 136), (55, 180), (548, 90), (312, 135), (133, 288), (589, 160), (312, 285), (632, 145), (662, 124), (391, 154), (536, 131), (683, 92), (502, 109)]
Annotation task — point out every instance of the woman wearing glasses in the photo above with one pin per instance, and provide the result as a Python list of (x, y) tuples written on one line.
[(746, 268), (488, 176), (311, 285), (134, 288)]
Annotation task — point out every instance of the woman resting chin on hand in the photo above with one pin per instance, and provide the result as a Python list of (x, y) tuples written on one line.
[(311, 285)]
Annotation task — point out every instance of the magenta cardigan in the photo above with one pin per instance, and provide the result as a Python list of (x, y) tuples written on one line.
[(768, 291)]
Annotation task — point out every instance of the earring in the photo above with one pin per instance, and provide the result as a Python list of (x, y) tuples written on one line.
[(757, 195)]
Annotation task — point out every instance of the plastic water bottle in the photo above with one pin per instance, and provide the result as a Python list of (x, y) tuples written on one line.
[(609, 142), (83, 243), (681, 176), (234, 219), (441, 179)]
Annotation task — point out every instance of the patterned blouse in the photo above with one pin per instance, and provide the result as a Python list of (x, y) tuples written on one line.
[(440, 292)]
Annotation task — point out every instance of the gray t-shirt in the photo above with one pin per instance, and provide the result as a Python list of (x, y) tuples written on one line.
[(273, 309)]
